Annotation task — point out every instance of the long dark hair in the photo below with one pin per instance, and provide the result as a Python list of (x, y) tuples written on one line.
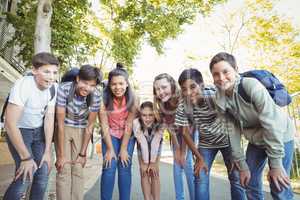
[(107, 93)]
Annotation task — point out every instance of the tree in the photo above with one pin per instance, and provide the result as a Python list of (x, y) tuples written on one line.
[(133, 22), (270, 39), (71, 41), (78, 33), (42, 35)]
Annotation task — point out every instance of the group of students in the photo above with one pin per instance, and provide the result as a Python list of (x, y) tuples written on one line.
[(201, 121)]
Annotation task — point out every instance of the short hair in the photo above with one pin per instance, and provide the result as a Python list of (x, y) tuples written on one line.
[(44, 58), (191, 73), (88, 72), (223, 56)]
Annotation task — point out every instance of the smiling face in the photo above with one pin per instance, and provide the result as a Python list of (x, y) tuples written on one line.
[(45, 76), (147, 116), (85, 87), (191, 91), (163, 89), (224, 75), (118, 86)]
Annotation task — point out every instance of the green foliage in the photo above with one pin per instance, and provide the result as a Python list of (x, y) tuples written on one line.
[(71, 40), (152, 21), (273, 43), (117, 32)]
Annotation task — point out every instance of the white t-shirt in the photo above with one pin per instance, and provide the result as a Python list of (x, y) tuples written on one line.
[(25, 93)]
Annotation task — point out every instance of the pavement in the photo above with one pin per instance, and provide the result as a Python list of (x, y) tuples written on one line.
[(219, 187)]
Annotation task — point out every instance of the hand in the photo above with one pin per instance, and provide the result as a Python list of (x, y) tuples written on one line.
[(244, 177), (60, 163), (27, 168), (200, 165), (47, 159), (109, 155), (144, 169), (279, 177), (81, 160), (124, 157), (153, 170)]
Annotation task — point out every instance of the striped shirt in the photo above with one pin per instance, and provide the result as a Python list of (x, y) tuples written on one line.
[(77, 110), (212, 131)]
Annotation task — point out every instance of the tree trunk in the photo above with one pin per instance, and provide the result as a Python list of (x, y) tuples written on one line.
[(42, 35)]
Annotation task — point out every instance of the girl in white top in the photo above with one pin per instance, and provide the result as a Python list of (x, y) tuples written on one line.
[(149, 135)]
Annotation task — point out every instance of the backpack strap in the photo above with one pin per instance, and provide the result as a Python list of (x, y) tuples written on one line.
[(242, 92), (4, 108), (71, 95), (52, 92)]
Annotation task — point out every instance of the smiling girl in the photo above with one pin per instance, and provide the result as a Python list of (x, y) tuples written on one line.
[(148, 134), (166, 99), (116, 116)]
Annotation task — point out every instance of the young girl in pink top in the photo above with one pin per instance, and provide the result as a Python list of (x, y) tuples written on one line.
[(148, 134), (117, 112)]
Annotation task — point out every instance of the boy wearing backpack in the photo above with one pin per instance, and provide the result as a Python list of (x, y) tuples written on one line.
[(29, 120), (77, 105), (268, 129)]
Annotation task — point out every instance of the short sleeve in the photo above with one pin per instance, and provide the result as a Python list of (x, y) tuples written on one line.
[(61, 99), (95, 107), (53, 100), (181, 118), (19, 94)]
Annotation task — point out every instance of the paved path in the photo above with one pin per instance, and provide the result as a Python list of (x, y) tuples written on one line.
[(219, 186)]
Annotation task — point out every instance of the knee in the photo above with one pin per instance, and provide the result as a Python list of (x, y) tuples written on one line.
[(202, 179)]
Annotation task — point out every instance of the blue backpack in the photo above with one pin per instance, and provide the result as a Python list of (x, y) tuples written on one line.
[(275, 88)]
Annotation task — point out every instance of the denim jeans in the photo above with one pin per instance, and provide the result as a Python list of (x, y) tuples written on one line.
[(188, 169), (124, 173), (34, 140), (256, 159), (202, 182)]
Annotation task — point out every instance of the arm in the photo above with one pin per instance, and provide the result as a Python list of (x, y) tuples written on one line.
[(48, 128), (88, 131), (239, 161), (110, 153), (275, 125), (199, 165), (128, 130), (12, 116), (60, 153)]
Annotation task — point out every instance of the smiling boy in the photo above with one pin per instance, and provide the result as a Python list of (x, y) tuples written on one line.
[(29, 121)]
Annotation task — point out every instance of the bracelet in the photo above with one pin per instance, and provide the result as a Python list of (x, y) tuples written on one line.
[(26, 159), (82, 155)]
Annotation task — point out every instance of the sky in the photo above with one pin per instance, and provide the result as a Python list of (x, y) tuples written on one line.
[(196, 40)]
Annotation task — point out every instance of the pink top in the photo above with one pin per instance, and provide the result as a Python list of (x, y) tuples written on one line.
[(117, 118)]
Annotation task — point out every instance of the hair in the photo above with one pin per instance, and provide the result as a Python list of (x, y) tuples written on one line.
[(174, 89), (107, 93), (148, 104), (44, 58), (88, 72), (191, 73), (223, 56)]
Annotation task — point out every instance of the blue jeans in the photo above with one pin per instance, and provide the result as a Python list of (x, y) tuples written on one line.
[(34, 140), (188, 169), (256, 160), (124, 173), (202, 182)]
